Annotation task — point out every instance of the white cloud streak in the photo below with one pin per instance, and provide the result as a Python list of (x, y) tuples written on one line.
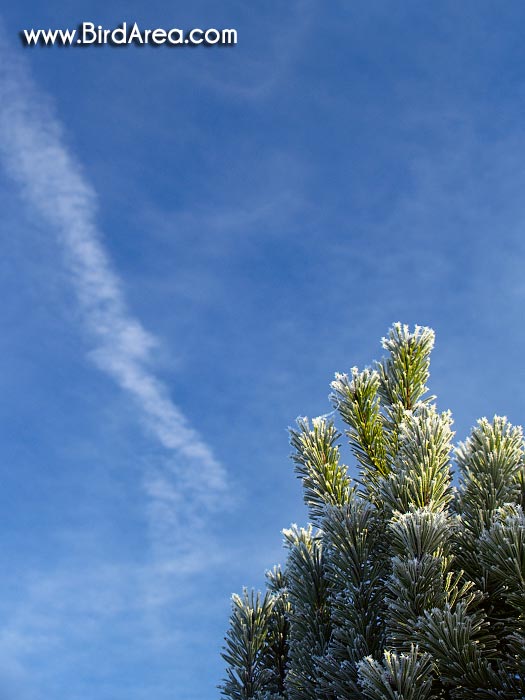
[(35, 154)]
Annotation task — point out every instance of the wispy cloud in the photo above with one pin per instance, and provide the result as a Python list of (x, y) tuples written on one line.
[(274, 47), (35, 153)]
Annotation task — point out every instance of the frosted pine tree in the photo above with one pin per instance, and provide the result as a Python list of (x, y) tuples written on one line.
[(403, 586)]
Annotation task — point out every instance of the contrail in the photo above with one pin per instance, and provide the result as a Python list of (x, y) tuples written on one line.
[(34, 153)]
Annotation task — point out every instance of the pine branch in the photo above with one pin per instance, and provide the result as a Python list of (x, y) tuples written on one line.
[(316, 459), (409, 589), (398, 677)]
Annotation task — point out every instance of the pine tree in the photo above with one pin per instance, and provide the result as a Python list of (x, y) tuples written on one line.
[(403, 586)]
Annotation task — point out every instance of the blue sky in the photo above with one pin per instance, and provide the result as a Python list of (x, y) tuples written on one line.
[(194, 241)]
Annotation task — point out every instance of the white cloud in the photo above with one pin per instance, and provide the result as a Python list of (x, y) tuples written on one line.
[(34, 152)]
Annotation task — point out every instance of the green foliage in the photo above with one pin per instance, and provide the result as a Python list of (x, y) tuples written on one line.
[(404, 587), (309, 611), (247, 645), (405, 370), (407, 676), (491, 467), (316, 459), (502, 554), (420, 474), (354, 544), (358, 403)]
